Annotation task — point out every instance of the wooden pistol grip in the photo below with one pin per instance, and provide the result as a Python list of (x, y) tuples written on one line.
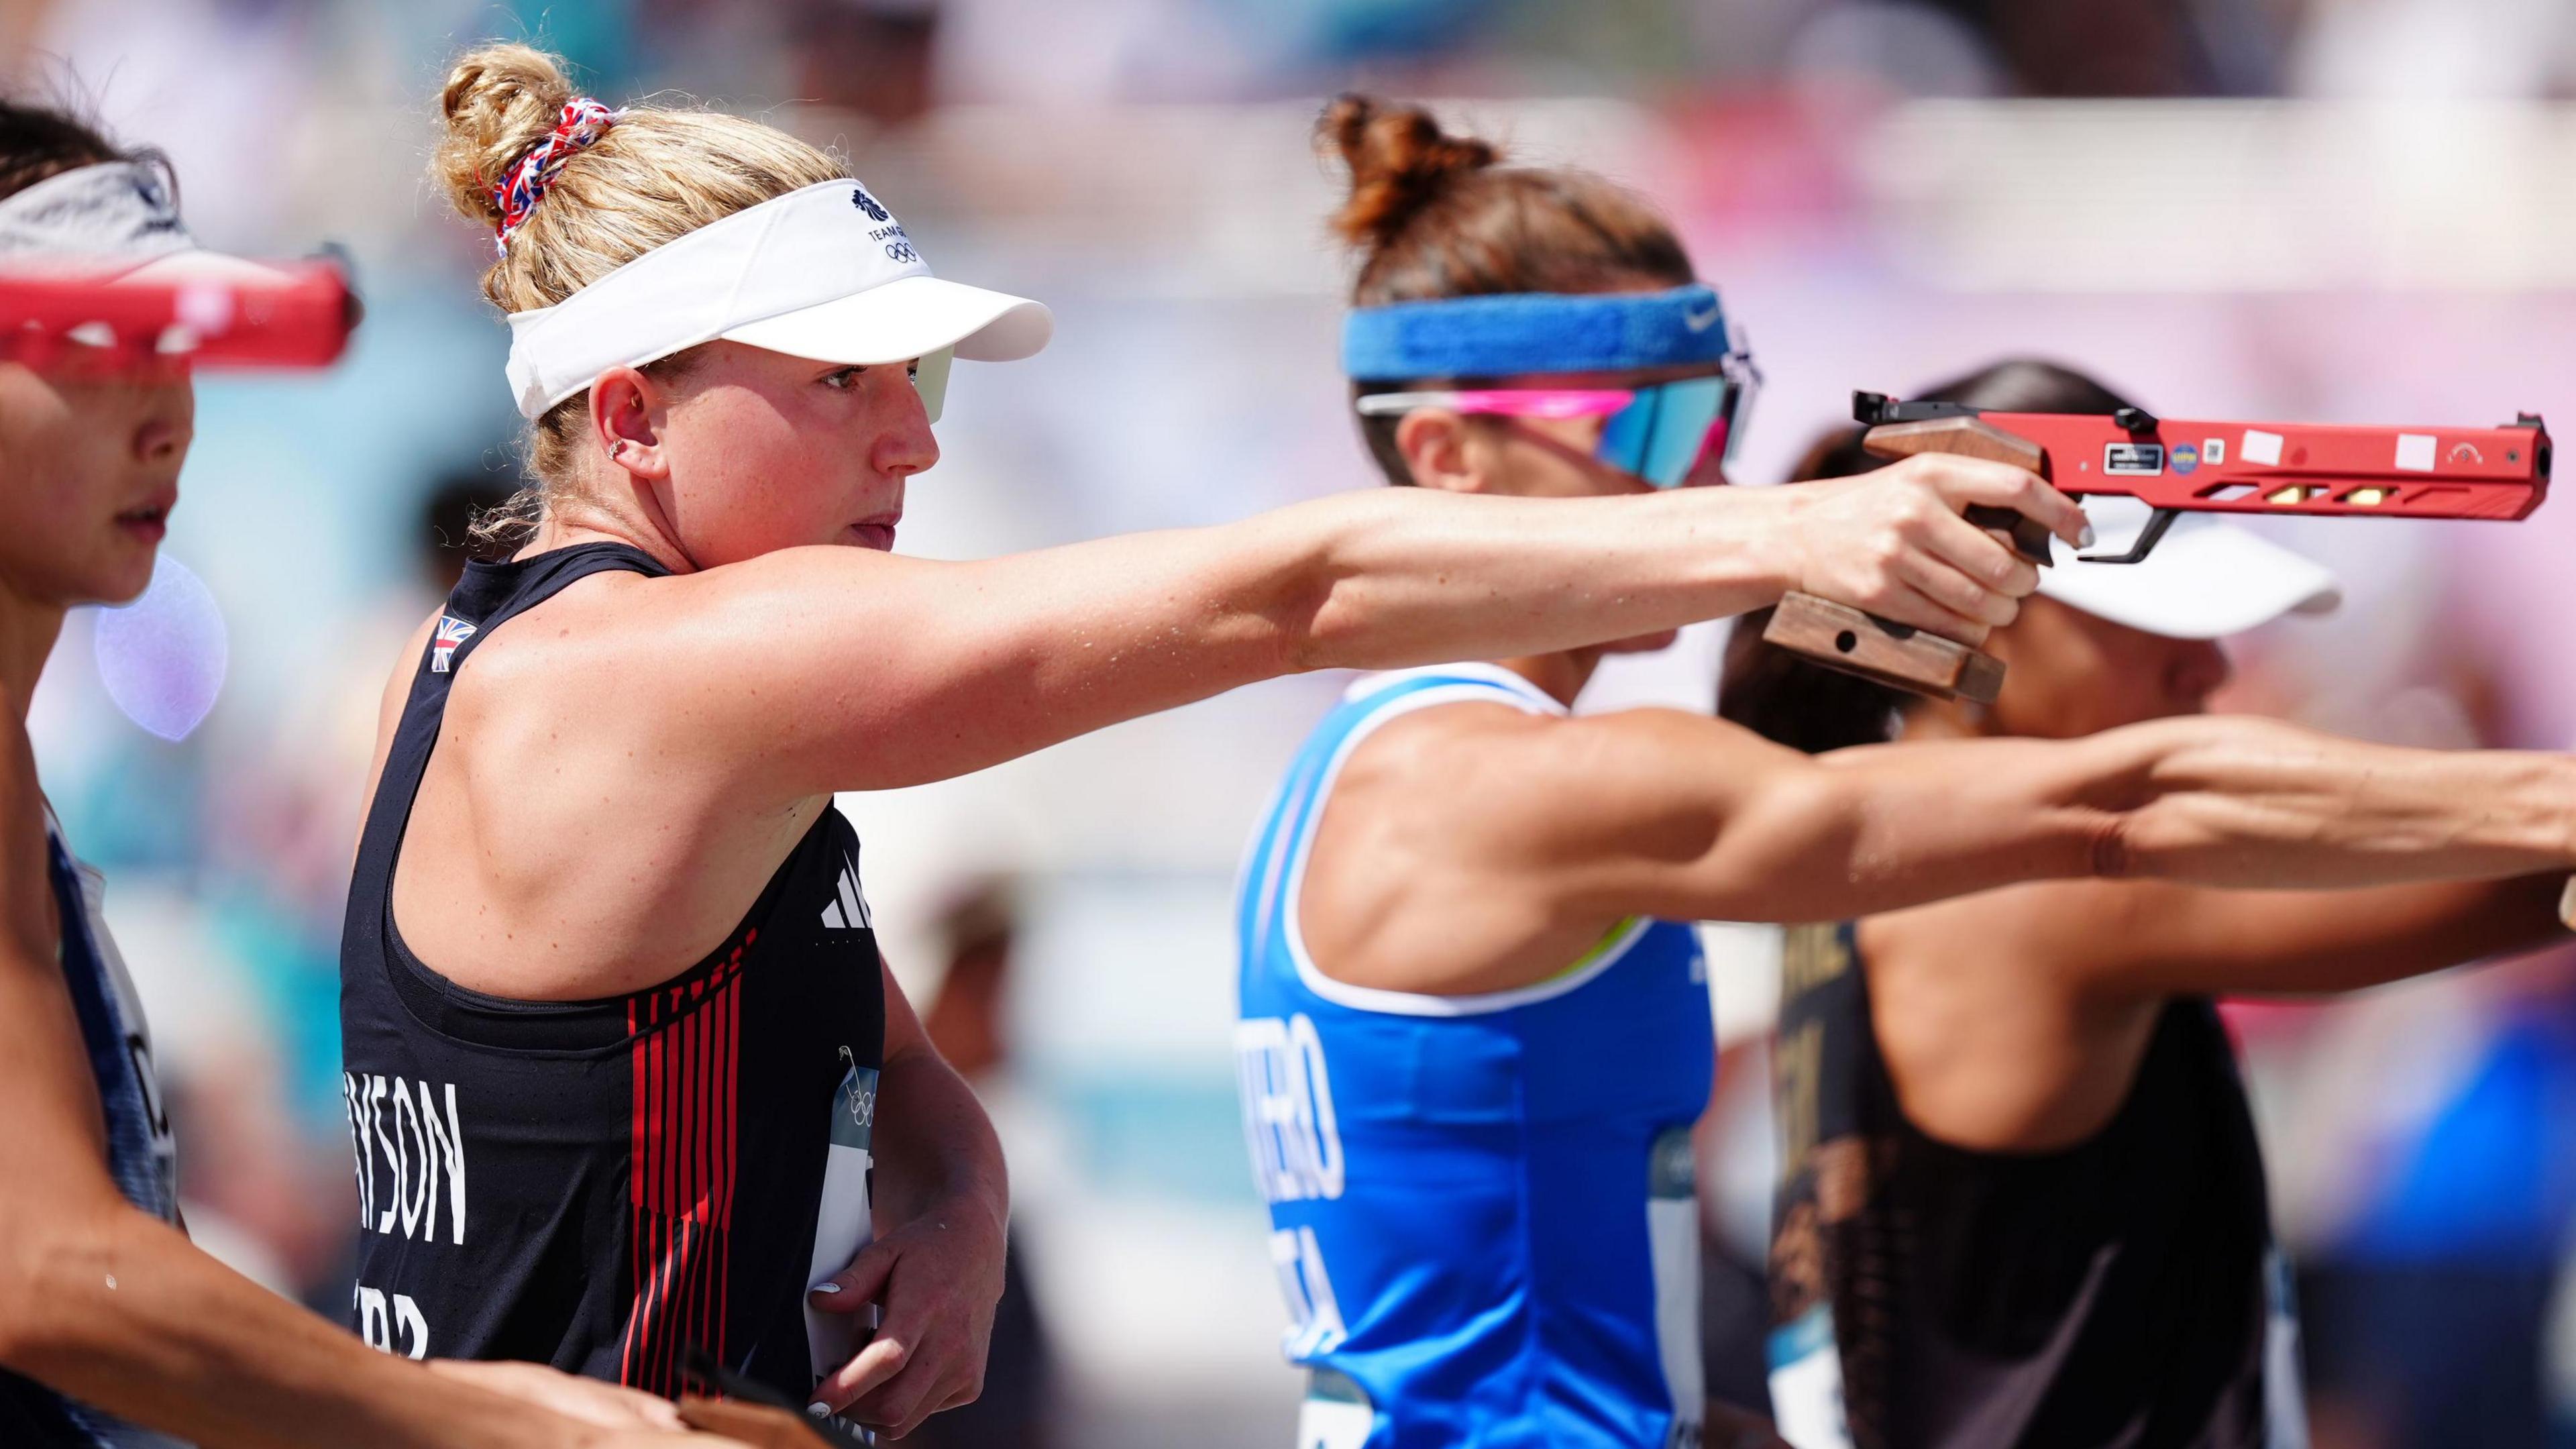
[(1839, 636), (1968, 437), (1972, 438), (756, 1425), (1842, 637)]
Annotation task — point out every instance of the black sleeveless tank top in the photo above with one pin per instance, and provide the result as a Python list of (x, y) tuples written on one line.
[(603, 1185), (2120, 1292)]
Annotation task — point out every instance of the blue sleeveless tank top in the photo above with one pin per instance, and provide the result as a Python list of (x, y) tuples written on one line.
[(1481, 1206), (140, 1155)]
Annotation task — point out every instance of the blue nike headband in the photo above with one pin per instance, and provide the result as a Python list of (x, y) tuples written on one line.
[(1516, 334)]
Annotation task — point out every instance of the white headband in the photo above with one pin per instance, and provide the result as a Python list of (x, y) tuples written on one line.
[(823, 272), (113, 212), (115, 222)]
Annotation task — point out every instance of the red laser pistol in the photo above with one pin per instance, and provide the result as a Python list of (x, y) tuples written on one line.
[(53, 317), (2175, 467)]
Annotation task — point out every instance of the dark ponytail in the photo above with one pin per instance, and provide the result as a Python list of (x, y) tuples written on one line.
[(1787, 698)]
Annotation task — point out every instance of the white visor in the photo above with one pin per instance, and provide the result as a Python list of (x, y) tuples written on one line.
[(823, 272), (116, 222), (2206, 580)]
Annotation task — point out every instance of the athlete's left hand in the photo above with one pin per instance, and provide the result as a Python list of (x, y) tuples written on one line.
[(937, 1277)]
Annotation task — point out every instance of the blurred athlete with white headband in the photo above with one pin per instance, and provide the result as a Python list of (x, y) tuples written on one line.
[(617, 1036), (115, 1332), (1475, 1031), (2023, 1201)]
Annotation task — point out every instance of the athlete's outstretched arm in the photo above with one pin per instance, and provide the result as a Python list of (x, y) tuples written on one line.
[(844, 669), (112, 1306), (943, 1202), (1576, 823), (2151, 939), (2230, 801)]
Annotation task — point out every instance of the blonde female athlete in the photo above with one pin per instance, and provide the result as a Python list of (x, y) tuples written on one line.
[(115, 1333), (629, 1089), (1475, 1031), (2024, 1203)]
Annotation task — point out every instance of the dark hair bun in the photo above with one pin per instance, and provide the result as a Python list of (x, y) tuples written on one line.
[(1399, 160)]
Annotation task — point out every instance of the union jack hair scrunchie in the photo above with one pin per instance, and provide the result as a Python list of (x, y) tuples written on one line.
[(520, 188)]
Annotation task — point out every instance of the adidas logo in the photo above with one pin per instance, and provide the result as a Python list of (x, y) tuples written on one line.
[(850, 911)]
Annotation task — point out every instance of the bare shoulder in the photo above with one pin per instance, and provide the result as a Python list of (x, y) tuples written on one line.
[(28, 930), (708, 628), (398, 679), (769, 681), (55, 1148), (1401, 890), (1438, 740), (587, 655), (397, 692), (1991, 1039), (1519, 790)]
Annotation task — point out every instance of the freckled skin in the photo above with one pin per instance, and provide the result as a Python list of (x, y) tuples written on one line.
[(753, 452), (782, 451)]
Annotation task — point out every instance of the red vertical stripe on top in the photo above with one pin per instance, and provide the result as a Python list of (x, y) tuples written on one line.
[(702, 1078), (674, 1319), (657, 1204), (634, 1244), (723, 1010), (728, 1039), (680, 1177), (693, 1202), (666, 1187), (684, 1112)]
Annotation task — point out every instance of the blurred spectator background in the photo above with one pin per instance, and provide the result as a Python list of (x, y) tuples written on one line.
[(2321, 209)]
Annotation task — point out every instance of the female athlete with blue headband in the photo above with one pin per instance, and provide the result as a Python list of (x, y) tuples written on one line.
[(1474, 1030), (628, 1088)]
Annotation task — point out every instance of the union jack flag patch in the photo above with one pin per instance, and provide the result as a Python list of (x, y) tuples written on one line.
[(442, 649)]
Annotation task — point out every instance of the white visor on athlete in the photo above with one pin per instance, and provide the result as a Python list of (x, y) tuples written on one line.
[(2207, 579), (116, 220), (824, 272)]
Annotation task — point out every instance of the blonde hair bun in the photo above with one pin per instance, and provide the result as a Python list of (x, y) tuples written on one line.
[(498, 103), (654, 176)]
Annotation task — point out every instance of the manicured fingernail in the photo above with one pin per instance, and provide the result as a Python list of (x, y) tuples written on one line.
[(827, 1287), (819, 1409), (2084, 539)]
